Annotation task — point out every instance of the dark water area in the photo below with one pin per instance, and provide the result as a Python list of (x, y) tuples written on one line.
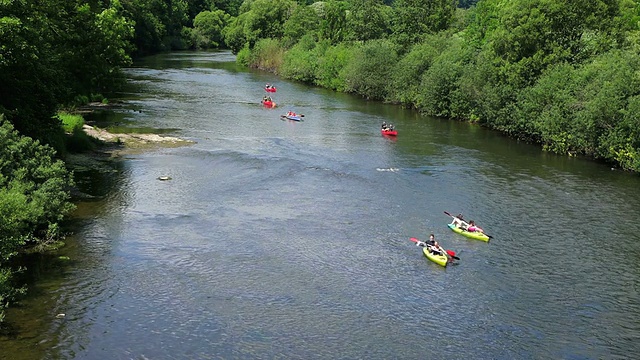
[(290, 240)]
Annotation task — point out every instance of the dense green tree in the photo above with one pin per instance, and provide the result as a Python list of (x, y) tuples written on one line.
[(303, 20), (258, 19), (414, 18), (208, 27), (301, 61), (96, 45), (586, 109), (405, 79), (368, 70), (527, 36), (29, 72), (440, 93), (368, 20), (333, 20), (331, 64), (158, 23), (231, 7), (51, 52)]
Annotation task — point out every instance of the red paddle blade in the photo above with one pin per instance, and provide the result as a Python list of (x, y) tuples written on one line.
[(451, 252), (414, 239)]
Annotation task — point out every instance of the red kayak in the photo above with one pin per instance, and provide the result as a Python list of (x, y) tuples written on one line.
[(268, 104), (389, 132), (270, 89)]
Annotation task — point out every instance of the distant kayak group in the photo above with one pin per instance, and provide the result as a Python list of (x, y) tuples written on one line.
[(434, 252), (268, 102)]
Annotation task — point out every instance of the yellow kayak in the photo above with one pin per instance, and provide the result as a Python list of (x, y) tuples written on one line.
[(441, 260), (473, 235)]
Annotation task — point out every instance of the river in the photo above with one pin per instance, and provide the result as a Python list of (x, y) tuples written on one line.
[(290, 240)]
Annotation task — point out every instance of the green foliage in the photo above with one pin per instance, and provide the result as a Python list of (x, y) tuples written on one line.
[(303, 21), (207, 29), (52, 52), (33, 186), (267, 54), (8, 292), (368, 20), (623, 144), (466, 3), (414, 18), (258, 19), (331, 63), (333, 20), (158, 24), (234, 34), (244, 56), (71, 122), (405, 78), (530, 35), (368, 71), (34, 197), (591, 109), (301, 61), (440, 94)]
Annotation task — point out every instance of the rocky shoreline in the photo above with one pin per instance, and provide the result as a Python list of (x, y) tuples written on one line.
[(133, 140)]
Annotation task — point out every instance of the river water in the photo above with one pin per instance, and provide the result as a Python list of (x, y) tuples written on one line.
[(290, 240)]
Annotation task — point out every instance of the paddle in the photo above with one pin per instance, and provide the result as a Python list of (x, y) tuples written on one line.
[(449, 252), (489, 236)]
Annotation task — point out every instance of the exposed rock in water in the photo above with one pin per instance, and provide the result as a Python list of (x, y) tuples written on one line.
[(133, 140)]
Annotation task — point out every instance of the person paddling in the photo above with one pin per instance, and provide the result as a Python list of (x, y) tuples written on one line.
[(473, 228), (459, 222), (431, 241)]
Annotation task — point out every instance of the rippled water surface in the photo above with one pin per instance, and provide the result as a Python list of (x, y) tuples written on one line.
[(290, 240)]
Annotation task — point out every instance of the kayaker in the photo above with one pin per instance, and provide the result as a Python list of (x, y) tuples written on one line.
[(384, 125), (459, 222), (430, 242), (473, 228)]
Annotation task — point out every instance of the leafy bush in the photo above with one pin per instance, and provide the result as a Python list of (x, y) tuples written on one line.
[(70, 122), (34, 196), (404, 84), (301, 61), (267, 54), (368, 71), (439, 91), (244, 56), (331, 63), (207, 29)]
